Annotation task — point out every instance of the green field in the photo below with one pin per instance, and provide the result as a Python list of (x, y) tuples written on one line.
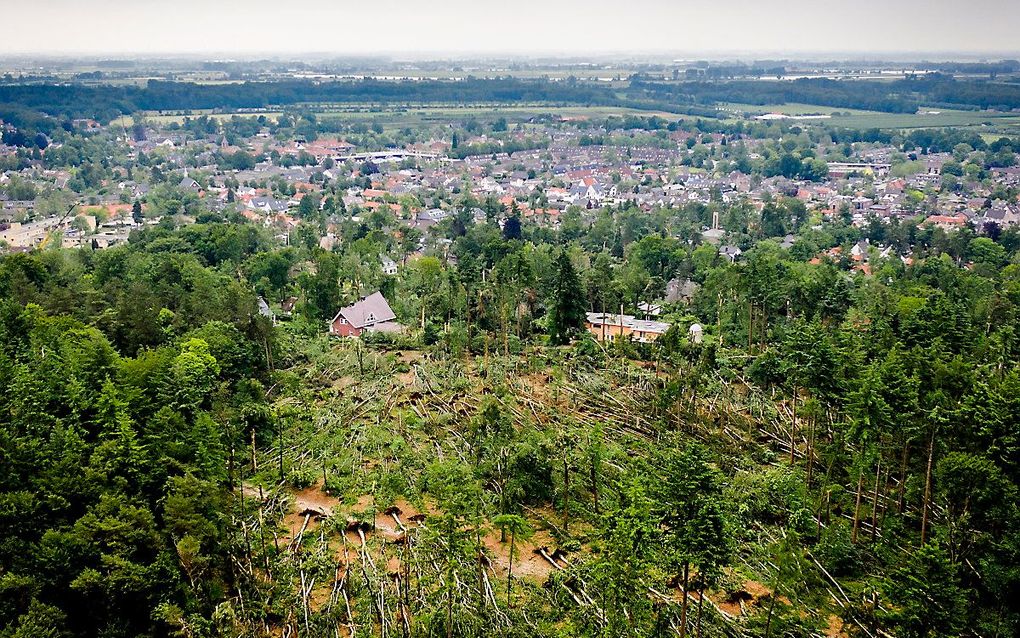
[(990, 124), (941, 119), (786, 109), (160, 118), (404, 116), (411, 116), (990, 121)]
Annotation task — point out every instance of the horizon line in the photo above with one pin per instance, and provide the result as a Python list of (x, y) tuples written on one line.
[(807, 55)]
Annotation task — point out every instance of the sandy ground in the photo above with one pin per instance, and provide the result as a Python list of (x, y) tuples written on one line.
[(528, 563)]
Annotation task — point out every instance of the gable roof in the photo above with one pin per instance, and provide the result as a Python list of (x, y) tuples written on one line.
[(374, 306), (264, 308)]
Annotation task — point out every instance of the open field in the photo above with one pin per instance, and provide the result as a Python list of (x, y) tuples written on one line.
[(410, 115), (995, 121), (933, 119), (786, 109), (398, 116), (167, 118)]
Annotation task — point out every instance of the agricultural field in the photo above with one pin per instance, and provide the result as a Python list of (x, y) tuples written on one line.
[(409, 116), (403, 116), (995, 121), (163, 118)]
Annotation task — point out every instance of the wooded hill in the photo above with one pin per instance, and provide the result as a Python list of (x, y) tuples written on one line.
[(839, 457)]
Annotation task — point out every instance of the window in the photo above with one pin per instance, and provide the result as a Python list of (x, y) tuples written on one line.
[(371, 318)]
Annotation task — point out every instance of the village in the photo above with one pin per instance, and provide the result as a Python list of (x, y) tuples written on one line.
[(464, 320), (324, 188), (286, 177)]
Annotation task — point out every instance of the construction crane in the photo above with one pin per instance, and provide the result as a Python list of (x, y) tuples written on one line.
[(49, 236)]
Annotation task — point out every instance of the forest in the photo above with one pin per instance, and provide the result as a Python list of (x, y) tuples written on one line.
[(838, 456), (44, 107)]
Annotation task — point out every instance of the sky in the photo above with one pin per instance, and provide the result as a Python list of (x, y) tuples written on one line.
[(538, 27)]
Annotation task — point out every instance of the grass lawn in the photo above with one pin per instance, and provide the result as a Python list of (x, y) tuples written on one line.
[(939, 119)]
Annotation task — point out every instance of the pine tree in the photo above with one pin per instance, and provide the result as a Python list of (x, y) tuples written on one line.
[(512, 225), (568, 302)]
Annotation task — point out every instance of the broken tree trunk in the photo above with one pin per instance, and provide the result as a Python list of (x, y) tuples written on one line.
[(927, 490), (857, 507), (683, 605)]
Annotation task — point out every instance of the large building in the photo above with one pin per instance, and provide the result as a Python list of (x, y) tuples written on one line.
[(606, 327)]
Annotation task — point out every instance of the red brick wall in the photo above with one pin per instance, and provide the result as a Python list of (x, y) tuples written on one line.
[(343, 329)]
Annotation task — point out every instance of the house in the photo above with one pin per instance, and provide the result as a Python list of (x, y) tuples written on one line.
[(843, 169), (649, 309), (265, 310), (606, 327), (368, 314), (1002, 217), (713, 235), (389, 267), (267, 205), (429, 218), (946, 222), (287, 306), (731, 253), (677, 290), (859, 251)]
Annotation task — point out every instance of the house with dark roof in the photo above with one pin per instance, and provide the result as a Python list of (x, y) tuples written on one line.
[(730, 252), (1001, 216), (188, 184), (428, 218), (681, 290), (287, 306), (368, 314)]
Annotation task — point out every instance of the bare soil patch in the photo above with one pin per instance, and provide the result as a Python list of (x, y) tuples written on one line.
[(528, 563)]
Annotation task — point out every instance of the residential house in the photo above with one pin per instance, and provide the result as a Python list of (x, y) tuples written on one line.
[(265, 310), (287, 306), (730, 252), (606, 327), (677, 290), (389, 267), (1002, 217), (368, 314)]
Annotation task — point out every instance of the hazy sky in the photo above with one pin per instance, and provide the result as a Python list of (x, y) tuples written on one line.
[(508, 26)]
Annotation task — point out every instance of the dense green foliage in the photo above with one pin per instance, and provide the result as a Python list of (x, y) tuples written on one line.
[(867, 426), (126, 376), (27, 106)]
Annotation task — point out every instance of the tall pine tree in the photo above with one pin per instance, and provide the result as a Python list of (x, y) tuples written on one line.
[(568, 302)]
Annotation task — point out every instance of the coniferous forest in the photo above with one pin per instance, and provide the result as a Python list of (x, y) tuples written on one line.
[(838, 456)]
